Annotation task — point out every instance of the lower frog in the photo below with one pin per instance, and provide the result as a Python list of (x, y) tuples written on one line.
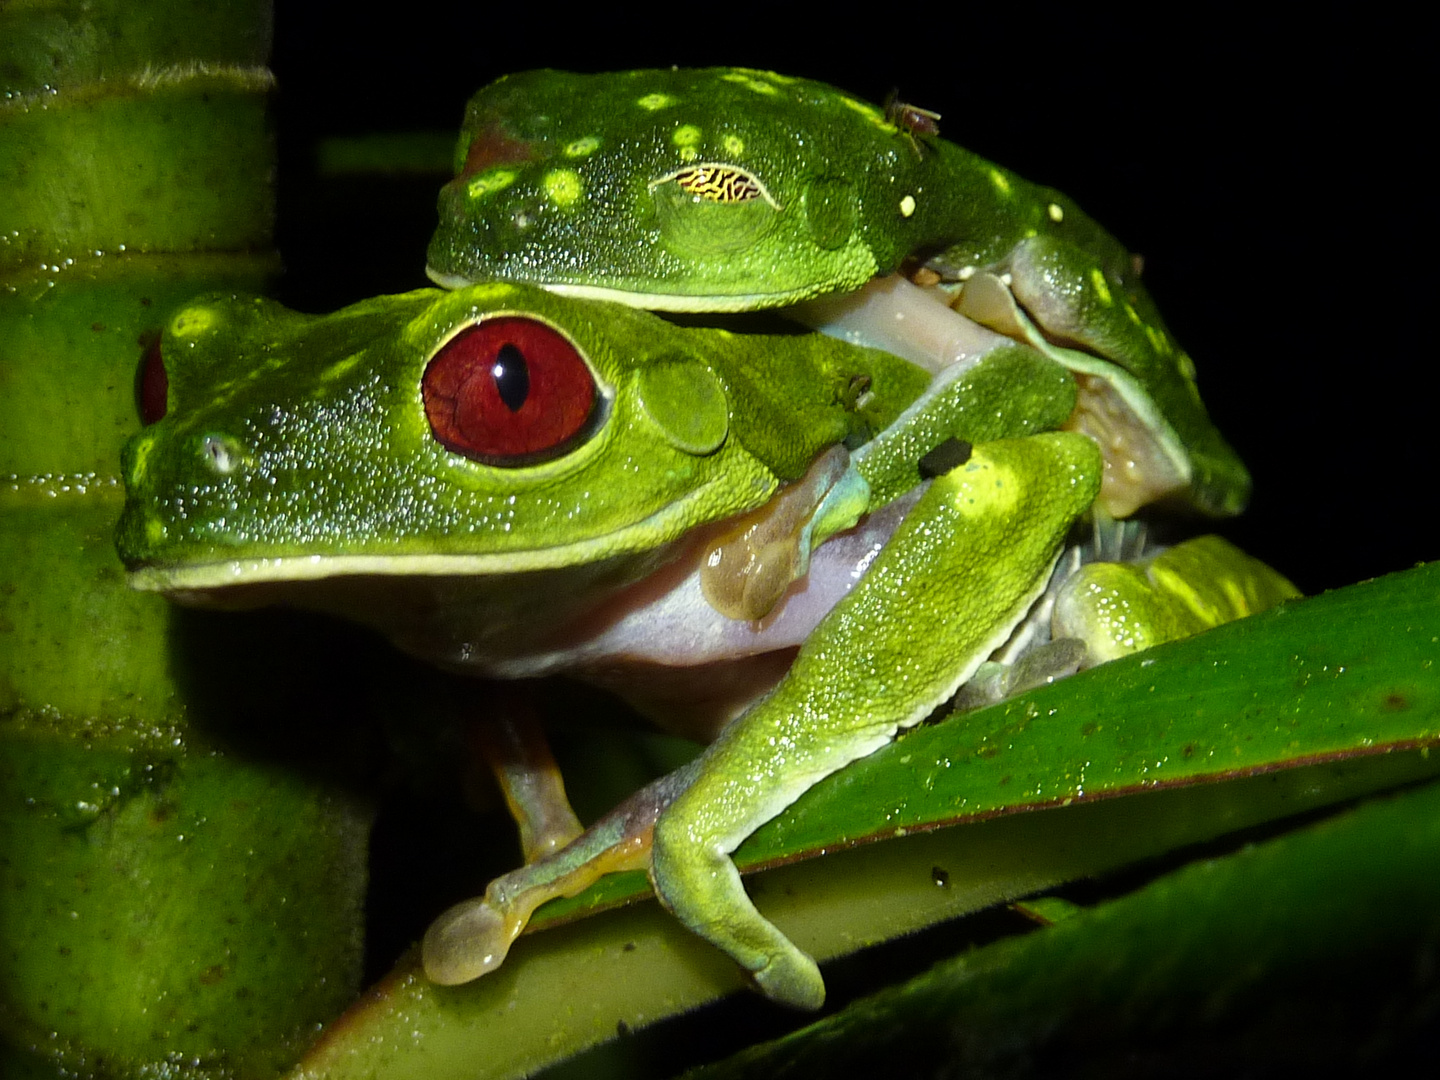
[(510, 483)]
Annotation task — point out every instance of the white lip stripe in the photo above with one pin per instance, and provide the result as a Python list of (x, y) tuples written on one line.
[(659, 529)]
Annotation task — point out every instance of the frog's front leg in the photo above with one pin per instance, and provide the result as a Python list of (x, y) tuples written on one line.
[(1138, 397), (960, 573)]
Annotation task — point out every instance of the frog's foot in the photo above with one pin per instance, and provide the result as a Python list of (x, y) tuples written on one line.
[(791, 978), (469, 940), (474, 937), (996, 680), (701, 887)]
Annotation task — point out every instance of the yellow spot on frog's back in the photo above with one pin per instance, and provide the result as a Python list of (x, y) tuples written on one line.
[(655, 102), (907, 206), (1187, 366), (687, 137), (751, 80), (771, 76), (1157, 339), (1102, 288), (1056, 212), (489, 182), (192, 321), (734, 145), (1001, 182), (563, 187), (583, 147)]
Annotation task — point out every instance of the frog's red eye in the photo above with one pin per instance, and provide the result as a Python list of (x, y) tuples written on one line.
[(152, 384), (509, 391)]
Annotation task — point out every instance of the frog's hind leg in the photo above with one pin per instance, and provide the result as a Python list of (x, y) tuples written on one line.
[(960, 573), (1117, 608), (473, 937), (1118, 593)]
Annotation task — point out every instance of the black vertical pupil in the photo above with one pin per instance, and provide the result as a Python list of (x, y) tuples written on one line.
[(512, 377)]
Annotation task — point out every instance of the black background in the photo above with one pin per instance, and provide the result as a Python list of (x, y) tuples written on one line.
[(1268, 167)]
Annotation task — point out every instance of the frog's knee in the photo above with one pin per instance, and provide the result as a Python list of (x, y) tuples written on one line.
[(791, 978), (673, 864)]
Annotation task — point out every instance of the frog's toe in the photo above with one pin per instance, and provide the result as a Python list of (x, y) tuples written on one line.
[(792, 978), (465, 942)]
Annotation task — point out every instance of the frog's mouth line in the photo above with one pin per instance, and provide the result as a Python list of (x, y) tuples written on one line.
[(651, 301), (649, 535)]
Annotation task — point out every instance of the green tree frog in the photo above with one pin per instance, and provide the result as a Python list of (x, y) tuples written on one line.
[(512, 482)]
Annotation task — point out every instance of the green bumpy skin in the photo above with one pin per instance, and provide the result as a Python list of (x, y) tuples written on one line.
[(298, 462), (727, 189), (720, 189)]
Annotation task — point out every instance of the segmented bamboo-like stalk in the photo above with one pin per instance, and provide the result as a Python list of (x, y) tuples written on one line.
[(162, 903)]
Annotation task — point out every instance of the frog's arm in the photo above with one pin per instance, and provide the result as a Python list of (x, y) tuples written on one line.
[(958, 576)]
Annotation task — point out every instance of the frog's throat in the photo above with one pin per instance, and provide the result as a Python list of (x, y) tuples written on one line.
[(648, 534), (653, 301)]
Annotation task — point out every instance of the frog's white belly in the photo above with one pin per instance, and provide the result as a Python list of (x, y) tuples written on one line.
[(667, 621), (913, 323), (640, 626)]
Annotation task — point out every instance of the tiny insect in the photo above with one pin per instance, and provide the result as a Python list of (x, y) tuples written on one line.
[(911, 120)]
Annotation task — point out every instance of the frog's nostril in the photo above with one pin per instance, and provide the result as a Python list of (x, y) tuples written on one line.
[(220, 454)]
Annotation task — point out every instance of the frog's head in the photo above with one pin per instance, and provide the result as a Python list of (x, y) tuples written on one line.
[(723, 188), (490, 430)]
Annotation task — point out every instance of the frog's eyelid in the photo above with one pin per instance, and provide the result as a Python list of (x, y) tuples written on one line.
[(718, 181)]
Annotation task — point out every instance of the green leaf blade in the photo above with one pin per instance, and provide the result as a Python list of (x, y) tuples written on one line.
[(1322, 701)]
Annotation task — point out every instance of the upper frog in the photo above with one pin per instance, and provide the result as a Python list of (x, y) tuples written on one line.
[(730, 189), (718, 189)]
